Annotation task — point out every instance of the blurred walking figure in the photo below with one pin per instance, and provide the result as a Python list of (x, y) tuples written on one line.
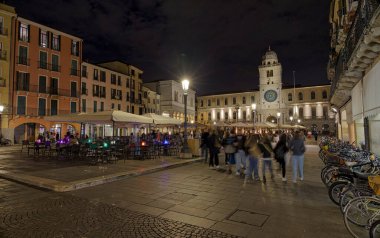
[(214, 146), (297, 146), (253, 154), (240, 155), (266, 148), (280, 151), (230, 150), (204, 144)]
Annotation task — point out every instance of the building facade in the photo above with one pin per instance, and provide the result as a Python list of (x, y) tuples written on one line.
[(46, 78), (354, 69), (172, 99), (151, 101), (7, 21), (308, 104)]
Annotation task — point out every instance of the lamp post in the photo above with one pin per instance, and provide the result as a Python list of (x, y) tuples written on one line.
[(253, 114), (185, 147), (1, 111), (278, 120)]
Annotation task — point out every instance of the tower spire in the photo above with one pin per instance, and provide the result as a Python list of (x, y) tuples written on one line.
[(269, 48)]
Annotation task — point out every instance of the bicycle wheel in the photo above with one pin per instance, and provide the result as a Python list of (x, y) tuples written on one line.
[(347, 195), (358, 214), (328, 176), (374, 230), (335, 191)]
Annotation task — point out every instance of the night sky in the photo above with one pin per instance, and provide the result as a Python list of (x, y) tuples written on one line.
[(218, 44)]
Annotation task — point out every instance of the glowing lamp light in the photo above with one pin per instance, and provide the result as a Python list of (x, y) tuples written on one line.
[(143, 143), (105, 144), (253, 106), (1, 108), (278, 114), (38, 141), (89, 141), (166, 142), (185, 85)]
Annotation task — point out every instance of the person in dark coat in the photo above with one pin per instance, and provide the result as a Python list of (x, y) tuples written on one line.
[(204, 144), (214, 146), (279, 152)]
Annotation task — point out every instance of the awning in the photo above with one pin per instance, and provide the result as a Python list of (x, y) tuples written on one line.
[(103, 117), (162, 120)]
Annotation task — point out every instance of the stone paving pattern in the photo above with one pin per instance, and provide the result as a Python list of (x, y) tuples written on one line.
[(189, 201)]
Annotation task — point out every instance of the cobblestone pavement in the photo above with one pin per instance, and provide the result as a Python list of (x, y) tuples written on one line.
[(26, 212)]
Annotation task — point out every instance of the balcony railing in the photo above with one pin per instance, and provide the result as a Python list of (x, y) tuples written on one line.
[(23, 60), (3, 55), (74, 72), (36, 112), (48, 90), (51, 67), (3, 31), (363, 17)]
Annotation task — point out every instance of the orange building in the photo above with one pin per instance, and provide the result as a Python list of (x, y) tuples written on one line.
[(46, 78)]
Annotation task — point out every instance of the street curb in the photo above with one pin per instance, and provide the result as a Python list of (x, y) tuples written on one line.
[(59, 186)]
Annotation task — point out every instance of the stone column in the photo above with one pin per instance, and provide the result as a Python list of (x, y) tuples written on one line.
[(307, 111), (319, 110)]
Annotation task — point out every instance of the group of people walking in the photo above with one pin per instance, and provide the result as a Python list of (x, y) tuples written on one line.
[(244, 152)]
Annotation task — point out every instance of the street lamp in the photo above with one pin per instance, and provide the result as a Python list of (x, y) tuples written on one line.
[(299, 121), (291, 119), (278, 120), (185, 87)]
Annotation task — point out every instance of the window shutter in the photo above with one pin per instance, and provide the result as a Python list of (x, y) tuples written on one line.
[(48, 39), (71, 46), (39, 36), (51, 40), (19, 30), (59, 43), (28, 33)]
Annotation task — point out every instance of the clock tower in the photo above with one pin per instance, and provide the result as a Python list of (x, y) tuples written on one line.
[(270, 72)]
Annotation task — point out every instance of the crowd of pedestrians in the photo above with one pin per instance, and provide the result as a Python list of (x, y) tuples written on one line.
[(243, 153)]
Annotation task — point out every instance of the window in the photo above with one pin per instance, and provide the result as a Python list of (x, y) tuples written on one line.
[(84, 88), (132, 109), (55, 63), (133, 72), (113, 106), (75, 48), (74, 89), (233, 100), (290, 97), (201, 116), (176, 96), (73, 107), (218, 102), (83, 105), (218, 116), (74, 68), (209, 102), (127, 96), (101, 106), (201, 103), (53, 107), (56, 42), (23, 55), (102, 92), (226, 101), (23, 33), (226, 116), (291, 112), (132, 83), (41, 107), (118, 107), (209, 116), (313, 112), (312, 95), (21, 105), (113, 78), (234, 115), (43, 60), (54, 86), (300, 112), (84, 71), (244, 115), (102, 75), (42, 84), (252, 99), (44, 39), (95, 106), (127, 82), (269, 73), (324, 94), (23, 81), (96, 74), (243, 100), (300, 96), (119, 80)]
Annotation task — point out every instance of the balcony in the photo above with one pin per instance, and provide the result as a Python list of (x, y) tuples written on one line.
[(3, 31), (23, 60), (3, 55), (74, 72), (51, 67), (361, 48)]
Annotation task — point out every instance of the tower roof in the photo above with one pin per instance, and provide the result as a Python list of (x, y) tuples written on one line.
[(270, 55)]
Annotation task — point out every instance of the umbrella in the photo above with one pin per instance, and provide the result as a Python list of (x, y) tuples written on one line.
[(162, 120)]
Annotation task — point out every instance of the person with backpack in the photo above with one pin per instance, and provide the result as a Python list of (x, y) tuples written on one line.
[(297, 146), (279, 152), (267, 151)]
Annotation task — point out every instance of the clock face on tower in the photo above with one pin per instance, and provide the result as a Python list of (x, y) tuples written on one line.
[(270, 96)]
